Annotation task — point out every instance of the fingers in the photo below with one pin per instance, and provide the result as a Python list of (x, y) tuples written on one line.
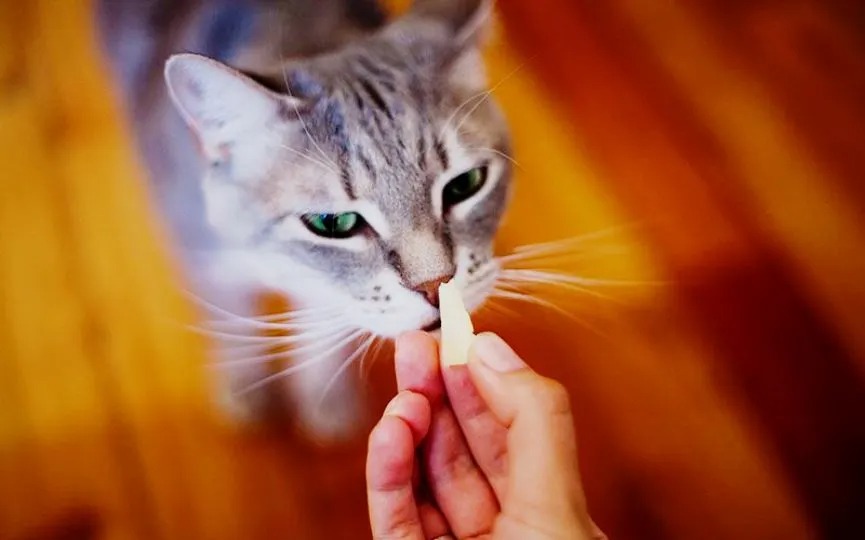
[(459, 488), (543, 475), (416, 359), (486, 437), (393, 511)]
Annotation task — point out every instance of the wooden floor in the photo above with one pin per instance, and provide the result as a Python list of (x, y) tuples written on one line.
[(718, 142)]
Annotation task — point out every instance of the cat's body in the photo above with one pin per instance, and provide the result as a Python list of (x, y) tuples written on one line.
[(351, 165)]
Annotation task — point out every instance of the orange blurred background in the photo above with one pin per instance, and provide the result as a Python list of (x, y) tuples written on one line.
[(718, 143)]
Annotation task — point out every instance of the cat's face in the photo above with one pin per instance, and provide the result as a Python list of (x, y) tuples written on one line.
[(368, 178)]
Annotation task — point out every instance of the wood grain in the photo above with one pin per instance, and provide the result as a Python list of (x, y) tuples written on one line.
[(719, 396)]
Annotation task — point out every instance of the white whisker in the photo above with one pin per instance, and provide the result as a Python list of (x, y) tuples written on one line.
[(299, 330), (565, 255), (486, 95), (298, 367), (309, 158), (457, 110), (365, 367), (363, 348), (333, 166), (297, 345), (542, 275), (481, 96), (298, 313), (235, 338), (298, 326), (530, 299), (286, 316), (573, 240), (495, 307), (551, 279), (499, 153)]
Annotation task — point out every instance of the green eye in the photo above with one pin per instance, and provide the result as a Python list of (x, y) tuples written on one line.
[(464, 186), (334, 225)]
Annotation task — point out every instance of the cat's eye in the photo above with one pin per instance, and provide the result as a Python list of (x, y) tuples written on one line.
[(342, 225), (464, 186)]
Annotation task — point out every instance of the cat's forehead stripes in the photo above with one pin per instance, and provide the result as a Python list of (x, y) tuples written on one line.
[(385, 120)]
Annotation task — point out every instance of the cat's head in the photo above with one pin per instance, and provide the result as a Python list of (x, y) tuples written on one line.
[(362, 178)]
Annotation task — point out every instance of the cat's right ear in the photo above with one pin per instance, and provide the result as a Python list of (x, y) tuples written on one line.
[(222, 105)]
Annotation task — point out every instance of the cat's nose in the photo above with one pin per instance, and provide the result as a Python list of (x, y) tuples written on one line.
[(430, 289)]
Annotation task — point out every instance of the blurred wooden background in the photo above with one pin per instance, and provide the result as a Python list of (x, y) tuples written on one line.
[(726, 404)]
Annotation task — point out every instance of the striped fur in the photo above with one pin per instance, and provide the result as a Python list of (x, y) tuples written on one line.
[(328, 112)]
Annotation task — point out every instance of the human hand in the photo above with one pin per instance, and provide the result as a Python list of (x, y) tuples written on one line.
[(486, 450)]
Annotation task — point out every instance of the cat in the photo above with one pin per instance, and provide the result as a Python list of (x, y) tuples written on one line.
[(315, 148)]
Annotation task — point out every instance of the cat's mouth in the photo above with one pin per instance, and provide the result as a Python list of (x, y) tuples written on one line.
[(435, 325)]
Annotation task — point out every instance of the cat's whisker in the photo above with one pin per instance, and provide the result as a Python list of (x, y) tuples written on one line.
[(554, 279), (446, 125), (238, 352), (499, 153), (482, 96), (505, 310), (287, 352), (236, 338), (366, 366), (310, 159), (578, 240), (530, 299), (243, 328), (295, 343), (541, 275), (303, 125), (566, 255), (361, 349), (323, 356), (256, 360), (496, 308), (297, 313), (542, 302), (248, 325), (300, 118), (486, 95), (534, 285)]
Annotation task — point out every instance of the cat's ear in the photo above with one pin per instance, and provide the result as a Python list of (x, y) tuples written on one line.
[(221, 104), (469, 24), (469, 21)]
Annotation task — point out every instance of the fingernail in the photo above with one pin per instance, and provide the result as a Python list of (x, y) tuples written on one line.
[(396, 407), (495, 354)]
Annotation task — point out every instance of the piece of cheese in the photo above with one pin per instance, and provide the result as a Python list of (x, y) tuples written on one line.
[(457, 330)]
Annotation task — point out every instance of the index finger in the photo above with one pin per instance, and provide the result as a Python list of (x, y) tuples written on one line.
[(393, 509)]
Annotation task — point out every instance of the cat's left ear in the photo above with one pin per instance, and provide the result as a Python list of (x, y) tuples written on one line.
[(471, 24), (475, 27), (222, 105), (457, 30), (468, 21)]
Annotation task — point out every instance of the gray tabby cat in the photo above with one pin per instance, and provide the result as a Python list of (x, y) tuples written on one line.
[(310, 148)]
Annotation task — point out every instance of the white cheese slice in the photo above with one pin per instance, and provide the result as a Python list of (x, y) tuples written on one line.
[(457, 330)]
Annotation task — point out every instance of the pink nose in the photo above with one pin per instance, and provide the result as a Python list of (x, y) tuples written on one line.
[(430, 289)]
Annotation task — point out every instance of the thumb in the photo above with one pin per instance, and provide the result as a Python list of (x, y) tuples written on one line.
[(543, 473)]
